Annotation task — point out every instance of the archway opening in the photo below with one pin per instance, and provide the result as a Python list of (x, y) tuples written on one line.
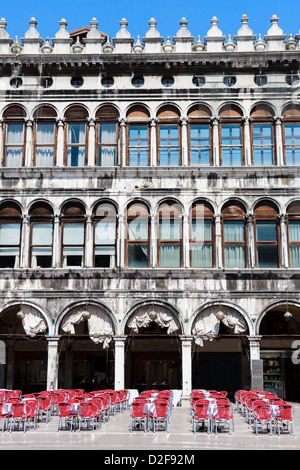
[(153, 349)]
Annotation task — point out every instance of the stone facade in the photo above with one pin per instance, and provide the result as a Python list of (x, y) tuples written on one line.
[(186, 138)]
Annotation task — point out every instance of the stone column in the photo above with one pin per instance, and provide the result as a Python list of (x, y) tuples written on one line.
[(250, 240), (186, 348), (278, 140), (283, 241), (91, 148), (153, 143), (52, 366), (25, 248), (247, 142), (153, 241), (119, 362), (1, 136), (185, 241), (218, 241), (216, 148), (89, 245), (10, 364), (121, 243), (122, 153), (56, 242), (28, 146), (60, 142), (184, 139), (256, 364)]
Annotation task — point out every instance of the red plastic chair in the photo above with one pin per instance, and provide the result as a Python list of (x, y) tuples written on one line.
[(160, 415), (224, 394), (99, 404), (34, 405), (263, 415), (56, 398), (65, 416), (20, 413), (88, 415), (138, 415), (44, 407), (201, 416), (5, 416), (224, 415), (285, 415)]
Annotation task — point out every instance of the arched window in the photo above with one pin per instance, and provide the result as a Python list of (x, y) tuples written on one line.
[(76, 136), (231, 136), (41, 235), (45, 136), (107, 136), (138, 137), (293, 226), (14, 137), (234, 235), (262, 131), (199, 136), (105, 235), (291, 135), (266, 235), (168, 137), (201, 235), (138, 227), (170, 235), (10, 235), (73, 234)]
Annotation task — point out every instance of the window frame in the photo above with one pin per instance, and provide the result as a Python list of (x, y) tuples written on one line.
[(105, 115), (137, 242), (72, 116), (289, 119), (267, 243), (138, 124), (72, 219), (168, 116), (208, 215), (265, 117), (16, 220), (13, 115), (169, 242), (39, 219), (234, 218), (292, 216), (97, 219), (199, 122), (38, 120)]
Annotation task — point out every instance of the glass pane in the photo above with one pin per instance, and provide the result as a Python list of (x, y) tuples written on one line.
[(262, 134), (9, 234), (75, 156), (292, 134), (200, 156), (201, 230), (231, 156), (107, 156), (294, 231), (73, 234), (169, 256), (234, 256), (169, 229), (201, 256), (231, 134), (234, 231), (266, 231), (44, 156), (137, 256), (138, 157), (45, 133), (168, 135), (295, 256), (199, 135), (76, 133), (14, 134), (72, 256), (42, 234), (138, 136), (267, 256), (169, 156), (263, 156), (13, 156), (292, 155), (105, 233), (107, 133), (138, 229)]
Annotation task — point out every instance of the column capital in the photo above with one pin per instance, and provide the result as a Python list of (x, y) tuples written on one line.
[(282, 217), (122, 122), (28, 122), (91, 122), (184, 121), (153, 122), (215, 120), (278, 120), (60, 122), (120, 338)]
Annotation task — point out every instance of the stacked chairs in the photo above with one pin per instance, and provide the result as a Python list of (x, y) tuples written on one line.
[(89, 413), (20, 414), (224, 415), (285, 415), (138, 416), (66, 416), (201, 415), (263, 416), (160, 416)]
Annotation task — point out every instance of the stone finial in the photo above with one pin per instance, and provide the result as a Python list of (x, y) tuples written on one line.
[(168, 46), (199, 45), (260, 45), (152, 33), (229, 45), (123, 33), (77, 47), (62, 33), (183, 40), (214, 37), (5, 40), (46, 48), (123, 40), (32, 32), (94, 39), (245, 36), (275, 36), (16, 47), (108, 46), (93, 33), (138, 46), (183, 32), (291, 44), (153, 40), (62, 40)]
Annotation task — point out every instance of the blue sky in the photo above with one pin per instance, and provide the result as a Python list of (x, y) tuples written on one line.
[(167, 14)]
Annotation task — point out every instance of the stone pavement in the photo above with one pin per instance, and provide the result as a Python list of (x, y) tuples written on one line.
[(114, 437)]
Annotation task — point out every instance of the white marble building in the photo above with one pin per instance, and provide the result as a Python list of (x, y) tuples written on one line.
[(150, 209)]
